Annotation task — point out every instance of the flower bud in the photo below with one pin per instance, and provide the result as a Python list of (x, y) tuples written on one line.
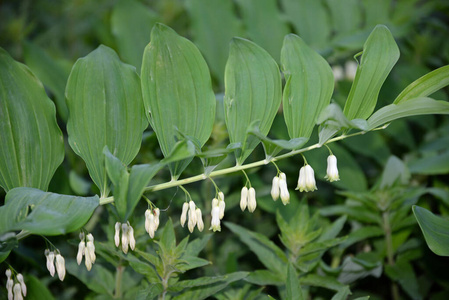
[(81, 249), (147, 220), (132, 240), (152, 226), (50, 255), (60, 266), (17, 292), (22, 284), (125, 238), (185, 208), (199, 219), (117, 234), (222, 206), (285, 195), (9, 287), (157, 212), (91, 247), (252, 204), (275, 188), (215, 223), (244, 198), (8, 273)]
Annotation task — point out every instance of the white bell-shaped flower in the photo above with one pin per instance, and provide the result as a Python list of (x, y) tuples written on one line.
[(244, 198), (60, 266), (9, 288), (185, 208), (81, 249), (332, 170), (22, 284), (90, 247), (199, 219), (275, 188), (17, 292), (252, 204), (125, 238), (50, 255), (117, 234), (132, 240), (285, 195), (157, 213), (192, 216), (306, 180), (215, 223)]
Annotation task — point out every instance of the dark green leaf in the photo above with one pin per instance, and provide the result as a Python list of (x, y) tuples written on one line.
[(321, 281), (36, 290), (293, 287), (99, 279), (342, 294), (309, 86), (45, 213), (177, 91), (266, 277), (252, 93), (380, 54), (105, 109), (402, 272), (425, 85), (31, 145), (354, 269), (431, 165), (435, 230), (8, 241)]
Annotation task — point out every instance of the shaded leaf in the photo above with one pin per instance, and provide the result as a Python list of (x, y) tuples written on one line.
[(293, 287), (435, 230), (31, 145), (36, 290), (99, 279)]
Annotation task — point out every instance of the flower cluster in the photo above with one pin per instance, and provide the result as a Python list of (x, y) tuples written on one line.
[(279, 188), (195, 216), (18, 290), (217, 212), (60, 263), (306, 180), (86, 249), (152, 221), (127, 240), (248, 199)]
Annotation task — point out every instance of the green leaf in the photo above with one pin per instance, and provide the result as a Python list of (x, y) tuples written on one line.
[(309, 86), (143, 268), (265, 277), (395, 171), (264, 24), (310, 20), (31, 145), (403, 273), (36, 290), (431, 165), (380, 54), (99, 279), (105, 109), (196, 246), (52, 74), (435, 230), (8, 241), (412, 107), (202, 292), (293, 287), (354, 269), (268, 253), (361, 234), (425, 85), (342, 294), (131, 23), (45, 213), (177, 91), (213, 24), (321, 281), (346, 16), (168, 239), (252, 93)]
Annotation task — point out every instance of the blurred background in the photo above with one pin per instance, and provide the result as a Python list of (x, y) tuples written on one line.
[(49, 36)]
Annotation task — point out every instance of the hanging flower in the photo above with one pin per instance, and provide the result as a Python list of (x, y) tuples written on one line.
[(275, 188), (60, 266), (306, 180), (332, 170), (192, 216), (221, 204), (285, 195), (252, 204), (199, 219), (117, 234), (185, 208), (9, 284), (50, 255), (215, 223), (18, 292), (244, 198)]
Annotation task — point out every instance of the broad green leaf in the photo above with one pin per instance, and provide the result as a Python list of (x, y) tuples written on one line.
[(264, 24), (203, 292), (131, 23), (376, 12), (143, 268), (31, 146), (78, 184), (380, 54), (362, 234), (321, 281), (435, 230), (342, 294), (425, 85), (354, 269), (99, 279), (252, 93), (45, 213), (105, 109), (53, 75), (177, 91), (310, 20), (8, 241), (265, 277), (293, 287), (403, 273), (345, 15), (268, 253), (309, 86), (213, 24), (412, 107), (196, 246)]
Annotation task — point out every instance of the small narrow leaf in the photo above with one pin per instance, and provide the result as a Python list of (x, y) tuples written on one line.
[(293, 287), (177, 91), (309, 86), (44, 213), (380, 54), (31, 146), (425, 85), (412, 107), (252, 93), (105, 109), (435, 230)]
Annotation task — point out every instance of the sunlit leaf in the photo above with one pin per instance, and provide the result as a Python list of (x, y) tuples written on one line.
[(177, 91), (309, 86), (252, 93), (380, 54), (45, 213), (31, 146), (105, 109)]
